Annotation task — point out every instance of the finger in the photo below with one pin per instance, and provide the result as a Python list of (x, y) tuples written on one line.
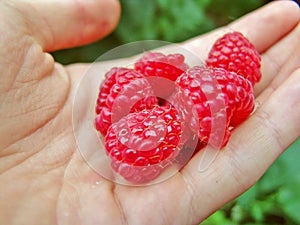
[(279, 62), (263, 27), (252, 148), (266, 26), (62, 24)]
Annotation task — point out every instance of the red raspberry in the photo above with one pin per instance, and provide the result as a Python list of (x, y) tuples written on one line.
[(201, 100), (236, 53), (157, 64), (240, 94), (222, 97), (162, 66), (123, 91), (105, 87), (142, 143)]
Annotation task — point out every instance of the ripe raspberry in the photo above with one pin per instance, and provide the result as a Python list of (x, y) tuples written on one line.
[(163, 66), (236, 53), (240, 94), (157, 64), (202, 102), (123, 91), (142, 143), (221, 99)]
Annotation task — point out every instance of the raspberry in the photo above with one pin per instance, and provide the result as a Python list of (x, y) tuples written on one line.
[(163, 66), (142, 143), (157, 64), (123, 91), (218, 96), (236, 53), (240, 94), (199, 91)]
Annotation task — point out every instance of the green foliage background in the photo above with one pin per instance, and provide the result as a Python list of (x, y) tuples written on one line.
[(275, 199)]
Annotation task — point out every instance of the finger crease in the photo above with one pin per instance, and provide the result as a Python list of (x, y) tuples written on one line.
[(265, 119), (119, 205)]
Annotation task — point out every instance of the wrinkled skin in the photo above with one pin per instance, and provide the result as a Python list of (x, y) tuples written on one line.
[(43, 177)]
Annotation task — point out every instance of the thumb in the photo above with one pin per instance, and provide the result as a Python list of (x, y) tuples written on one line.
[(57, 24)]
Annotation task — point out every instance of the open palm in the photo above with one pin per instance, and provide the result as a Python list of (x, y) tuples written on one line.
[(43, 177)]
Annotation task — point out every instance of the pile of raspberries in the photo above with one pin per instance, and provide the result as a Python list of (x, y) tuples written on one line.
[(147, 114)]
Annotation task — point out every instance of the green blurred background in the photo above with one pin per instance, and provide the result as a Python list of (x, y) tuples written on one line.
[(275, 199)]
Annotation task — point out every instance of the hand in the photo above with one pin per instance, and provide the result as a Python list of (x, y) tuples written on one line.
[(43, 177)]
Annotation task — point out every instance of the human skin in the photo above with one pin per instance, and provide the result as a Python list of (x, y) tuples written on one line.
[(43, 177)]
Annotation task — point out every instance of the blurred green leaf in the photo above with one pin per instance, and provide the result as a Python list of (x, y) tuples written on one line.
[(225, 11), (168, 20), (136, 21), (288, 198), (238, 214), (257, 212)]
